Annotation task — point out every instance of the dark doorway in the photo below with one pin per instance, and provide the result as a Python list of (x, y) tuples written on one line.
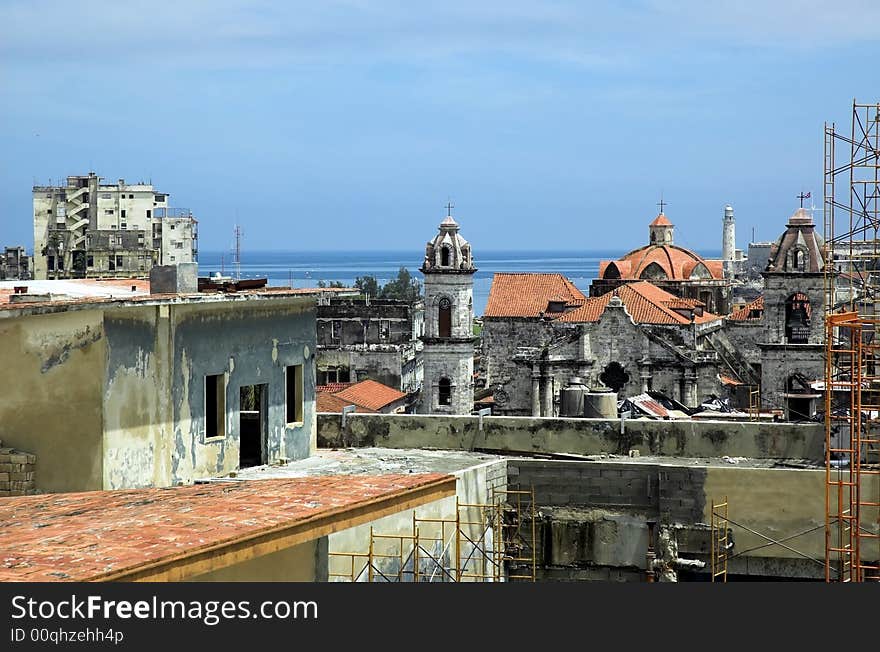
[(799, 408), (252, 425)]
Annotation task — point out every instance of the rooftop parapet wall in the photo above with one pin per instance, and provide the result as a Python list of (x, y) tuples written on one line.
[(577, 436)]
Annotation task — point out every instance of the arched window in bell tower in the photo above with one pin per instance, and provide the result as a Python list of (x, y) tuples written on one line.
[(797, 319), (444, 392), (444, 257), (444, 318)]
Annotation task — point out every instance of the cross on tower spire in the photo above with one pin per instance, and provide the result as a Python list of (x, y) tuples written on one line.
[(802, 197), (662, 203), (449, 206)]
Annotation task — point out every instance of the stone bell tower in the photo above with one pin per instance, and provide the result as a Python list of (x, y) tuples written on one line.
[(448, 353), (792, 350)]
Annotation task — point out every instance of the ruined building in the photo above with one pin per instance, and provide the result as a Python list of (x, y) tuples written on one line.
[(15, 264), (677, 270), (448, 352), (87, 229), (375, 339)]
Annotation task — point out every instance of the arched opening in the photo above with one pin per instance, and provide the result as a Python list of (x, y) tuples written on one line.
[(614, 376), (444, 318), (700, 271), (612, 271), (799, 259), (444, 392), (653, 271), (444, 256), (797, 319)]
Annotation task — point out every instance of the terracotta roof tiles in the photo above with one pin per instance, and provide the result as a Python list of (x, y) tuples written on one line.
[(753, 310), (528, 295), (646, 303), (371, 394), (89, 535)]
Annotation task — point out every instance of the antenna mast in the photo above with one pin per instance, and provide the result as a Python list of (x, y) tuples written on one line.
[(237, 258)]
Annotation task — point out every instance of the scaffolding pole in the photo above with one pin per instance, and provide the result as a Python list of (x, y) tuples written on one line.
[(852, 349)]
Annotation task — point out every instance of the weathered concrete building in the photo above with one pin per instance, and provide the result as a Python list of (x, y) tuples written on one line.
[(540, 332), (675, 269), (147, 390), (87, 229), (448, 339), (15, 264), (370, 338)]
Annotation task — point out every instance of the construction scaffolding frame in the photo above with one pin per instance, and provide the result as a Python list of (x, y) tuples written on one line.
[(852, 348), (485, 542), (719, 540)]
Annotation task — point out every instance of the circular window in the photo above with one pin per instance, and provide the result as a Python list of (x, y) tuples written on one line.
[(445, 304)]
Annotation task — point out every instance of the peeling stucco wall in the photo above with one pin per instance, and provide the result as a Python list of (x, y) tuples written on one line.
[(112, 397), (51, 406), (155, 386)]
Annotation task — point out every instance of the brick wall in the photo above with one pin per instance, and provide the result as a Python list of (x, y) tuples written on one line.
[(16, 472)]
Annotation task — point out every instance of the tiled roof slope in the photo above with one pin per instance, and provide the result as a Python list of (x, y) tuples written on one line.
[(646, 303), (744, 313), (88, 535), (528, 295), (370, 394)]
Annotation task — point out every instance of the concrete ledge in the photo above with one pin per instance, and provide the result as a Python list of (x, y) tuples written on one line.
[(758, 440)]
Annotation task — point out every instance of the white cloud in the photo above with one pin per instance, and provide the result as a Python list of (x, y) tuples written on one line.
[(239, 33)]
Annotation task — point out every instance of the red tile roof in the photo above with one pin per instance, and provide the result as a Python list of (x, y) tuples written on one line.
[(85, 536), (745, 313), (327, 402), (370, 394), (661, 220), (332, 388), (646, 303), (528, 295)]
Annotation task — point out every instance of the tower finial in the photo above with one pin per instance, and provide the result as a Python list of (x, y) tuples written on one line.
[(802, 197), (662, 203), (449, 206)]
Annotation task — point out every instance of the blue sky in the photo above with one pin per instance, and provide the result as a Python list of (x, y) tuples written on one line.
[(346, 125)]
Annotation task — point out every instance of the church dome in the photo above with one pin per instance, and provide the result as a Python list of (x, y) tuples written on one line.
[(448, 251), (661, 260)]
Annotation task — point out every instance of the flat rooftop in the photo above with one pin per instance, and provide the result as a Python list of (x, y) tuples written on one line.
[(73, 294), (178, 532), (371, 461)]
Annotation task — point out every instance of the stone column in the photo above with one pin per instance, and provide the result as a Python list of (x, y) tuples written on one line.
[(536, 393), (645, 377), (547, 382), (690, 388)]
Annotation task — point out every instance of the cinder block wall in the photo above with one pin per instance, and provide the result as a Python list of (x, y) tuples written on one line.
[(16, 472)]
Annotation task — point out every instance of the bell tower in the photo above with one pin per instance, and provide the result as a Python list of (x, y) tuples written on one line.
[(448, 353), (792, 351)]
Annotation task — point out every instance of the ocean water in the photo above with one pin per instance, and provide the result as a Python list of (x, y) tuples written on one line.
[(303, 269)]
